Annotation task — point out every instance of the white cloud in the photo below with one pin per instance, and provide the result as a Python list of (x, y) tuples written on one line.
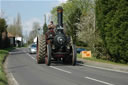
[(48, 17), (62, 1), (27, 26)]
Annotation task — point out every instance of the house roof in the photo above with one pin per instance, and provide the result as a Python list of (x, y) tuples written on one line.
[(10, 35)]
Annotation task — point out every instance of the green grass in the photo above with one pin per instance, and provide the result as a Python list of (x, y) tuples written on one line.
[(101, 60), (3, 79)]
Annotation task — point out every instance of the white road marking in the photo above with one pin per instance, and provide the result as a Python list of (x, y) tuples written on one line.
[(14, 80), (105, 69), (99, 81), (31, 56), (60, 69)]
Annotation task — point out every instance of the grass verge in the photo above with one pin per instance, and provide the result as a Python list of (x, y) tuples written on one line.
[(101, 60), (3, 79)]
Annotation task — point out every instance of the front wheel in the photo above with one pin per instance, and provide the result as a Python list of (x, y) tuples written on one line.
[(48, 57), (74, 56)]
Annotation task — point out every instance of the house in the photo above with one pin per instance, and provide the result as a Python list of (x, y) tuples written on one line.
[(11, 39), (4, 40), (19, 41), (35, 40)]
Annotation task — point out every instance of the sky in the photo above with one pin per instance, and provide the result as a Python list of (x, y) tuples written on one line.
[(29, 10)]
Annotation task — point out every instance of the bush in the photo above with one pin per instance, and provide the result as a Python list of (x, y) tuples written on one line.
[(112, 20), (3, 79)]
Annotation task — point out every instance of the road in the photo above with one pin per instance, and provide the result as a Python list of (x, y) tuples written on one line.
[(26, 71)]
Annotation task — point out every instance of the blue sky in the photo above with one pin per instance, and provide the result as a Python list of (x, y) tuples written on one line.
[(30, 11)]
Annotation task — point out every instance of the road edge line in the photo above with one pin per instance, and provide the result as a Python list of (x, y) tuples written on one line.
[(9, 75), (102, 68), (13, 79)]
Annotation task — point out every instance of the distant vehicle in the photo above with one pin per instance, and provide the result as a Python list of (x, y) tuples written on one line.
[(80, 50), (32, 49)]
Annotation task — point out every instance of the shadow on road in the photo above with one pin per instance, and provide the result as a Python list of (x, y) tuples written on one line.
[(16, 51), (60, 63)]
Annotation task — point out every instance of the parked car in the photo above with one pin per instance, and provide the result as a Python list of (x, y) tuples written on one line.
[(80, 49), (32, 49)]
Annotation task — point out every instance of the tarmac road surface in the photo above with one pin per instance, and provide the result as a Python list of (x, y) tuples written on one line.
[(26, 71)]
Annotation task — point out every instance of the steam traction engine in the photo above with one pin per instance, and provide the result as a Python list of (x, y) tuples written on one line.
[(55, 44)]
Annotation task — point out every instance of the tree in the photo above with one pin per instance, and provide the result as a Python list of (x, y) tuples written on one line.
[(16, 27), (34, 31), (3, 27), (112, 20), (45, 27)]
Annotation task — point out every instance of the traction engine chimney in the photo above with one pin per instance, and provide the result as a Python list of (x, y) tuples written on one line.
[(60, 16)]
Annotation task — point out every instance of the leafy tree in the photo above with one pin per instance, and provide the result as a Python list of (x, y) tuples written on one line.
[(112, 20), (45, 27), (34, 31), (3, 27), (16, 27)]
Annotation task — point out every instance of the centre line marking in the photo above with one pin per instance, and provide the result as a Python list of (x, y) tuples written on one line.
[(33, 58), (30, 56), (99, 81), (60, 69)]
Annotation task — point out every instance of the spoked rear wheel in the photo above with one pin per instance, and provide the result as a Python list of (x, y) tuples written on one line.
[(41, 49), (48, 57)]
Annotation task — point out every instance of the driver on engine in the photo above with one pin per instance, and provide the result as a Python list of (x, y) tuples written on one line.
[(51, 25), (50, 33)]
